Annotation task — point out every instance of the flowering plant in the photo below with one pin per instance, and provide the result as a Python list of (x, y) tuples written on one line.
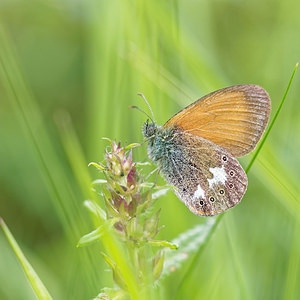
[(129, 212)]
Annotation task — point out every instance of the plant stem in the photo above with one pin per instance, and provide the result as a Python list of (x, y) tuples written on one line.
[(273, 120)]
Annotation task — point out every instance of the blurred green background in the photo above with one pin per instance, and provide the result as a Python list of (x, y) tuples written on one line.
[(85, 61)]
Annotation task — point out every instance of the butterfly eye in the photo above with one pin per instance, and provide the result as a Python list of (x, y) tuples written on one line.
[(231, 185), (221, 192), (231, 173), (212, 199), (201, 202), (224, 158)]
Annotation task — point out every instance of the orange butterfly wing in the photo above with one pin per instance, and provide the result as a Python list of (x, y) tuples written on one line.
[(233, 118)]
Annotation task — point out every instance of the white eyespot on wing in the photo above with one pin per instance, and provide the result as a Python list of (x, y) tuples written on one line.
[(219, 175), (199, 193)]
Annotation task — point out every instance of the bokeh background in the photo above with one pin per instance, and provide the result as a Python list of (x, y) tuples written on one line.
[(75, 67)]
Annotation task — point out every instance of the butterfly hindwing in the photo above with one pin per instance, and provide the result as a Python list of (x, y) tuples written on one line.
[(208, 179)]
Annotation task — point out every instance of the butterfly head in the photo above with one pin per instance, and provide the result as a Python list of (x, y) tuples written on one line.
[(150, 129)]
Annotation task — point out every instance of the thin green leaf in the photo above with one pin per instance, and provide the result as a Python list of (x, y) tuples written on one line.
[(94, 208), (90, 237), (147, 196), (163, 244), (98, 166), (34, 280), (116, 271), (158, 264), (109, 261), (131, 146), (96, 234), (273, 121), (107, 139)]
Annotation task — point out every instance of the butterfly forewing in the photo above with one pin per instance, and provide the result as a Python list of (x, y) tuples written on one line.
[(208, 179), (233, 118)]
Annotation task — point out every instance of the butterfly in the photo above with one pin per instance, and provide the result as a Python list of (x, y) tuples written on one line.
[(196, 149)]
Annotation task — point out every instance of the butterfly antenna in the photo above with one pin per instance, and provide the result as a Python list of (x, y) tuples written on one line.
[(138, 108), (143, 142), (153, 119)]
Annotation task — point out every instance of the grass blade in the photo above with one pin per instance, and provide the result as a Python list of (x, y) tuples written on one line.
[(273, 120), (34, 280)]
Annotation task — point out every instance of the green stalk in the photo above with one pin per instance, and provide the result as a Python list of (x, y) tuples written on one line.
[(273, 121), (35, 282)]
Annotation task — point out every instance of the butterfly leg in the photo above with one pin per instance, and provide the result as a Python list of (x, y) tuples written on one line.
[(142, 143), (158, 169), (152, 172)]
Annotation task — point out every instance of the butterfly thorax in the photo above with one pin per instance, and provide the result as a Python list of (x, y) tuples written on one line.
[(160, 140)]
